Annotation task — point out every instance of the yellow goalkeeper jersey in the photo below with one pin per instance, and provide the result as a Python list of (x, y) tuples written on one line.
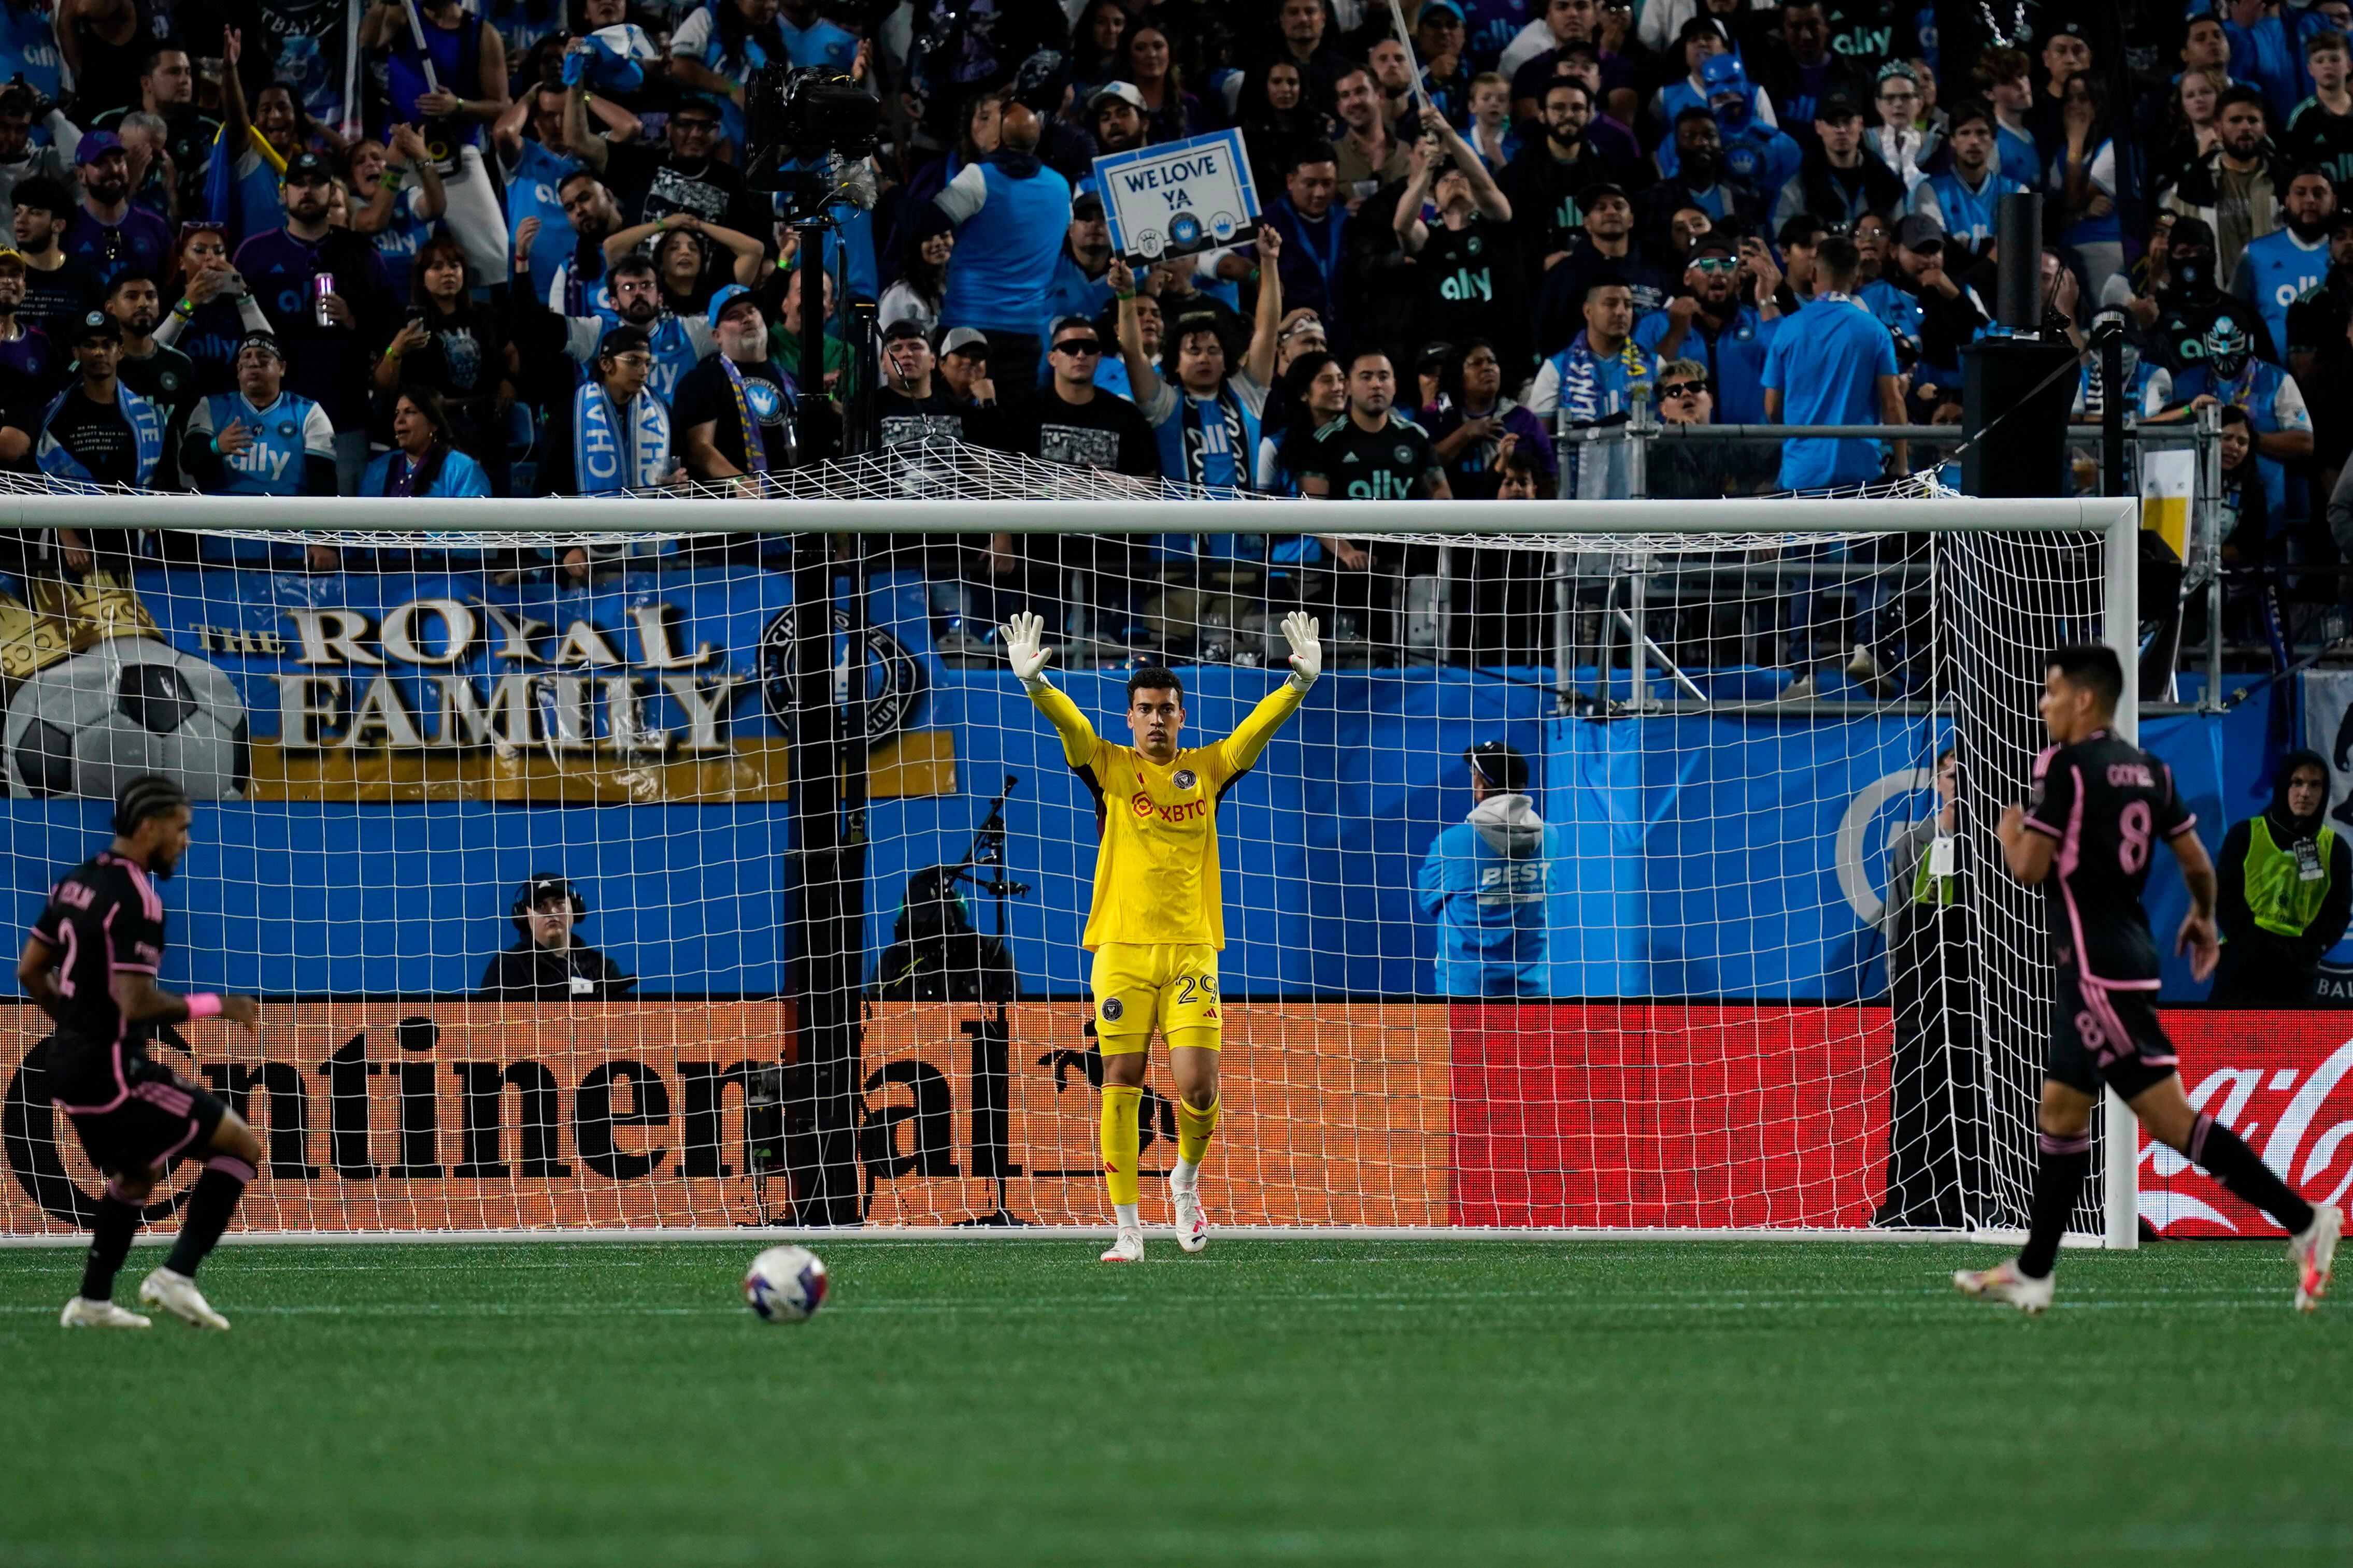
[(1156, 876)]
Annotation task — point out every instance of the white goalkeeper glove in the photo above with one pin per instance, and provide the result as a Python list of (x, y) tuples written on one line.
[(1306, 652), (1026, 649)]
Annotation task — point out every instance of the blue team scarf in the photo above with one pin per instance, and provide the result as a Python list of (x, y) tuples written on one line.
[(147, 434), (1583, 396), (1199, 445), (600, 463), (755, 450)]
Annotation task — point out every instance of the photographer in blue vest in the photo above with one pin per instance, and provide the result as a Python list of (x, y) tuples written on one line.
[(260, 441), (1485, 881), (2286, 892), (1009, 210)]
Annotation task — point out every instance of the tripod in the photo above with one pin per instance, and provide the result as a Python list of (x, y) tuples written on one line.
[(983, 869)]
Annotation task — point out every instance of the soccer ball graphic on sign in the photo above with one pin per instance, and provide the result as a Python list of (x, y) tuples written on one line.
[(786, 1285), (129, 706)]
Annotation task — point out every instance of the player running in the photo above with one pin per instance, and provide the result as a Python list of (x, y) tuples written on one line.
[(90, 963), (1157, 922), (2100, 806)]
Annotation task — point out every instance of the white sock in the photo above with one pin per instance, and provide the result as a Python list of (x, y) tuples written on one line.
[(1186, 1176), (1127, 1216)]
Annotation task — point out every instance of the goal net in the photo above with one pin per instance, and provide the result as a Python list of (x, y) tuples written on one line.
[(693, 861)]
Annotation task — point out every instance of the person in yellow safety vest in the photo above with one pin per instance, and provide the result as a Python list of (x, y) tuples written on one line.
[(2286, 892), (1936, 1117)]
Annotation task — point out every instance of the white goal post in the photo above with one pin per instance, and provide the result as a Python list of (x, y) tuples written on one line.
[(1692, 1037)]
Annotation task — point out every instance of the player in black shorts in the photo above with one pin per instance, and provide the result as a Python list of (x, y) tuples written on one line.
[(2101, 806), (90, 963)]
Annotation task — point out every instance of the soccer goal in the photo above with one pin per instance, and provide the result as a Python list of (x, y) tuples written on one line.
[(691, 862)]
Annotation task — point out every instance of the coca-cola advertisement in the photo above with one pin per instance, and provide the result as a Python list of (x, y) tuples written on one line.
[(2283, 1081)]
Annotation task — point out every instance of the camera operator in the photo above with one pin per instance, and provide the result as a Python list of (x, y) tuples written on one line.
[(548, 964), (935, 954)]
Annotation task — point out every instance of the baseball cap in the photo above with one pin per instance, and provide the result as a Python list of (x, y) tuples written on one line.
[(96, 145), (622, 341), (904, 327), (259, 339), (1591, 196), (1919, 232), (964, 340), (10, 257), (546, 885), (1837, 106), (1088, 205), (307, 168), (1124, 92), (726, 297), (1447, 6), (98, 326), (1499, 764)]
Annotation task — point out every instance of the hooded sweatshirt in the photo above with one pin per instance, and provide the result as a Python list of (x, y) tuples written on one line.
[(2286, 883), (1485, 881)]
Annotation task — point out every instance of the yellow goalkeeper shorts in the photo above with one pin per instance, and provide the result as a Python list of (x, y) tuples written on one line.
[(1169, 985)]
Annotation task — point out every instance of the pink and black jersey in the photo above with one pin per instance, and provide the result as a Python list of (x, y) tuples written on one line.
[(2108, 803), (104, 915)]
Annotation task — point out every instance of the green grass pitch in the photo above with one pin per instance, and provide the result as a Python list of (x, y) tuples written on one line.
[(1300, 1402)]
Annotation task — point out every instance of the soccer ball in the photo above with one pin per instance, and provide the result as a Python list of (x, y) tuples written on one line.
[(785, 1284), (93, 723)]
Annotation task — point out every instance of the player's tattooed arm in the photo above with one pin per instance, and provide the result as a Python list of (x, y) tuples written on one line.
[(2197, 938), (2028, 855), (36, 971), (144, 1002)]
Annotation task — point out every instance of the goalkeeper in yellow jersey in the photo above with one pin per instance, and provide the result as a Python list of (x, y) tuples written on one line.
[(1158, 917)]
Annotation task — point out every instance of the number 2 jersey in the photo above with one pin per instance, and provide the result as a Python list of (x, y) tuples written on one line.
[(102, 915), (2109, 805)]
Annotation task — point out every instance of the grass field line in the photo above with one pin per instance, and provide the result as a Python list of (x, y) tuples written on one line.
[(1210, 1541), (1595, 1306)]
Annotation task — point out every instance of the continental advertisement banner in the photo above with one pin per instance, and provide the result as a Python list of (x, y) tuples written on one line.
[(470, 1115)]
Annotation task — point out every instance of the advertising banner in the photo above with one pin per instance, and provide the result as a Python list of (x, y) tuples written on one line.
[(2283, 1081), (1667, 1115), (1175, 198), (470, 1116)]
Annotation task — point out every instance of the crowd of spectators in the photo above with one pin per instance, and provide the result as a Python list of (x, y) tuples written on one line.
[(271, 247)]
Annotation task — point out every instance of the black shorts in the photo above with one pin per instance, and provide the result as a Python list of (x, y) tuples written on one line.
[(151, 1115), (2102, 1034)]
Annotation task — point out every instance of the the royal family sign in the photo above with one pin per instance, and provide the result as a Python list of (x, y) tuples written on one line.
[(647, 688)]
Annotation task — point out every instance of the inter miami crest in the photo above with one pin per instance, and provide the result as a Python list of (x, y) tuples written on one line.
[(1111, 1009), (1185, 778)]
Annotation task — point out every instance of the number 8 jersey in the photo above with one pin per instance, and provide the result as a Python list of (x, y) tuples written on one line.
[(2108, 803)]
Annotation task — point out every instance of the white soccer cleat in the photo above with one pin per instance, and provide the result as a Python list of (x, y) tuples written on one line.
[(2004, 1282), (177, 1294), (2312, 1251), (1128, 1248), (81, 1312), (1192, 1224)]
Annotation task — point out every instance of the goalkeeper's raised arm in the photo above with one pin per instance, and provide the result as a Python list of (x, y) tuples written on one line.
[(1157, 920)]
